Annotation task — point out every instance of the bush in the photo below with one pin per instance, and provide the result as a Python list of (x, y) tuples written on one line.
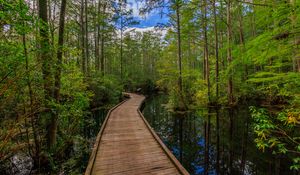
[(278, 132), (106, 89)]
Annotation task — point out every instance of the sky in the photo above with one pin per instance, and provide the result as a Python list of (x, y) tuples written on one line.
[(148, 21)]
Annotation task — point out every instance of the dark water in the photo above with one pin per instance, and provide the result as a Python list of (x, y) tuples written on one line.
[(94, 122), (83, 148), (76, 159), (212, 141)]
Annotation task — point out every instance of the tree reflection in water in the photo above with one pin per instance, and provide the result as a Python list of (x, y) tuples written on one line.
[(212, 141)]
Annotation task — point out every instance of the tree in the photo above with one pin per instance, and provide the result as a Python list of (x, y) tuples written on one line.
[(216, 48), (177, 4), (206, 53), (86, 29), (83, 40), (59, 64), (175, 10), (229, 55), (124, 20), (47, 61)]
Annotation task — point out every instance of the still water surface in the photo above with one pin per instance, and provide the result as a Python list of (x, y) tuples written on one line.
[(212, 141)]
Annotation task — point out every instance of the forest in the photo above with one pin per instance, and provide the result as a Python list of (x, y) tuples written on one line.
[(64, 64)]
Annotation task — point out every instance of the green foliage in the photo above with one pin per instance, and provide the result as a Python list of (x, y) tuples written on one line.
[(276, 87), (200, 89), (193, 86), (278, 132), (24, 120), (107, 90), (264, 67), (74, 89), (81, 153)]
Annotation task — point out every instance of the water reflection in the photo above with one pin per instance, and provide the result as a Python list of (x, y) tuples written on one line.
[(212, 141)]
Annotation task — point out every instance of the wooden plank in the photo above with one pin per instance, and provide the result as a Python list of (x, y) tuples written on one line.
[(130, 165), (141, 168), (128, 150), (89, 168), (141, 160), (126, 144), (119, 155)]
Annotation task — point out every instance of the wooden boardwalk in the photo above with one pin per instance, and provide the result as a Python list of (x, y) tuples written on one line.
[(126, 145)]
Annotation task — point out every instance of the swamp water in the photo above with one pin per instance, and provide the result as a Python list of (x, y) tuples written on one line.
[(195, 138), (22, 164), (211, 141)]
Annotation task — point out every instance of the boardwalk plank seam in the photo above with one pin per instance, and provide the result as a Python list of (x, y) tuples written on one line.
[(106, 159), (98, 139)]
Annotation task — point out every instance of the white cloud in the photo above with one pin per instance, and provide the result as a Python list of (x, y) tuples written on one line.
[(132, 30), (159, 31), (135, 5), (132, 4), (140, 29)]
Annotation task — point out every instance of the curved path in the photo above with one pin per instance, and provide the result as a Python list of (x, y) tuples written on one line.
[(126, 144)]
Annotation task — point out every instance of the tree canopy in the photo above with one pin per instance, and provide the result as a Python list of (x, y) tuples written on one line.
[(60, 60)]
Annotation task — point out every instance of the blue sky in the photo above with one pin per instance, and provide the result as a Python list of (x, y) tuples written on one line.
[(150, 20)]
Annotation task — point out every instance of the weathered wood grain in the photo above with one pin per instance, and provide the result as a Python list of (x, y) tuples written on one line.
[(126, 144)]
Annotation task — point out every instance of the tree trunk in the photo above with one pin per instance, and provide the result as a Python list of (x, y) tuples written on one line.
[(121, 42), (229, 56), (242, 40), (59, 59), (102, 41), (253, 30), (102, 53), (221, 37), (60, 50), (83, 61), (121, 51), (216, 49), (97, 38), (51, 19), (87, 39), (179, 55), (206, 54), (46, 58)]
